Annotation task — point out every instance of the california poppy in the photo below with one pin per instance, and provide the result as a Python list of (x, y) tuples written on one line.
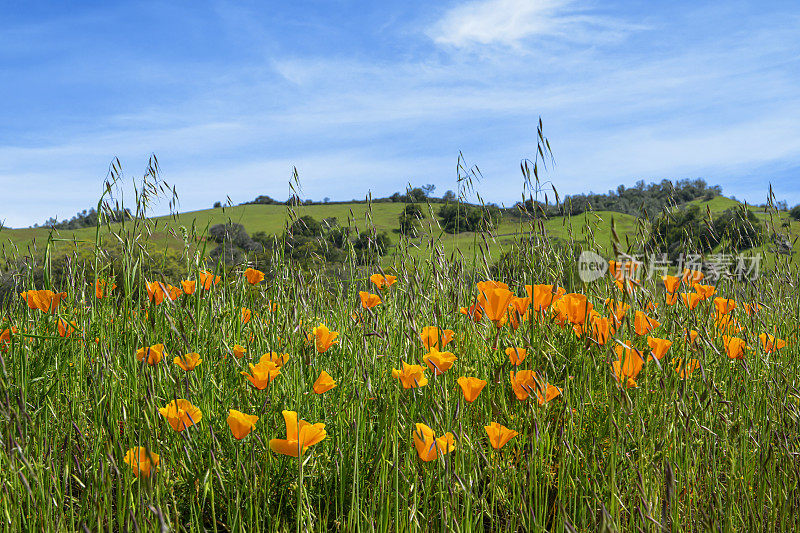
[(525, 383), (43, 300), (324, 383), (278, 359), (5, 337), (102, 288), (751, 309), (412, 376), (241, 424), (188, 286), (323, 338), (617, 309), (188, 362), (628, 365), (253, 276), (685, 369), (181, 414), (670, 298), (690, 336), (499, 435), (153, 353), (643, 324), (724, 306), (602, 328), (691, 277), (516, 355), (65, 329), (543, 295), (495, 302), (770, 343), (734, 347), (671, 283), (246, 315), (705, 291), (300, 435), (439, 362), (142, 461), (428, 446), (368, 301), (382, 281), (262, 374), (691, 299), (207, 279), (238, 351), (574, 308), (433, 337), (658, 347), (474, 312), (471, 387), (157, 292)]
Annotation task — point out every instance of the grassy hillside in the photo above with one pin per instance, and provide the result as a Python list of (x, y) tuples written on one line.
[(271, 219)]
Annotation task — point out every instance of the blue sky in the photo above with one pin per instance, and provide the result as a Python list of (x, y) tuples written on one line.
[(370, 96)]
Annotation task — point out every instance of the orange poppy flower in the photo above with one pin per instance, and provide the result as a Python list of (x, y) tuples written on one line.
[(368, 301), (705, 291), (724, 306), (141, 461), (262, 374), (153, 353), (5, 337), (474, 312), (253, 276), (685, 370), (516, 355), (484, 286), (428, 446), (691, 277), (102, 288), (691, 299), (617, 309), (751, 309), (188, 362), (65, 329), (574, 308), (658, 347), (275, 357), (734, 347), (188, 286), (181, 414), (43, 300), (499, 435), (690, 336), (670, 298), (470, 387), (241, 424), (602, 328), (238, 351), (642, 324), (382, 281), (207, 279), (495, 302), (526, 382), (324, 383), (300, 435), (439, 362), (246, 315), (323, 338), (432, 337), (628, 365), (157, 292), (770, 343), (727, 324), (671, 283), (543, 295), (412, 376)]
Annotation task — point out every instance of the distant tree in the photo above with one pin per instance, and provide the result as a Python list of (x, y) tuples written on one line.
[(409, 219), (795, 212), (740, 227), (428, 189), (326, 200), (217, 205), (449, 196)]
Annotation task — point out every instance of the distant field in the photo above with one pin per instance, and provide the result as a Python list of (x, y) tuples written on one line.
[(272, 219)]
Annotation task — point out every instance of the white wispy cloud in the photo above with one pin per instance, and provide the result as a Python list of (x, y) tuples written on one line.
[(507, 22)]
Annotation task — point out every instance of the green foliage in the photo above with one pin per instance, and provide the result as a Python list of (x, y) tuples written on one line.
[(456, 218), (409, 220), (682, 231), (738, 227), (795, 212)]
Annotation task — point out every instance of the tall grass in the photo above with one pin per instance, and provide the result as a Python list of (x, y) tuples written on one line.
[(718, 450)]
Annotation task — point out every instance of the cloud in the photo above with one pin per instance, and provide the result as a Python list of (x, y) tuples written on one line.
[(508, 22)]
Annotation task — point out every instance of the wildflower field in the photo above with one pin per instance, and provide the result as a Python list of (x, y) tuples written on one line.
[(438, 393)]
